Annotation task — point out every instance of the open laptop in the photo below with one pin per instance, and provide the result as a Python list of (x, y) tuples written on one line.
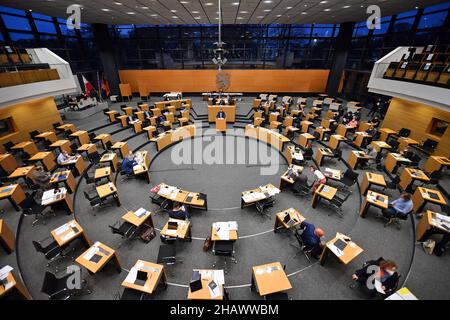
[(195, 285), (141, 278)]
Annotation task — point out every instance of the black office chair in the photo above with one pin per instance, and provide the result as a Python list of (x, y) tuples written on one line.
[(277, 296), (393, 185), (263, 205), (94, 201), (404, 132), (167, 255), (131, 294), (434, 178), (124, 229), (108, 145), (90, 181), (337, 154), (349, 179), (92, 135), (300, 245), (33, 134), (8, 146), (429, 145), (51, 251), (224, 248), (394, 145), (445, 208), (308, 154), (336, 204), (31, 207), (58, 289), (94, 158), (106, 110), (395, 220)]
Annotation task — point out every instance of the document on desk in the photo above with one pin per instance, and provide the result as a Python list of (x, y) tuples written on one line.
[(338, 252), (171, 232), (5, 271), (68, 236), (223, 234), (140, 212), (378, 287), (61, 230), (91, 252), (132, 275)]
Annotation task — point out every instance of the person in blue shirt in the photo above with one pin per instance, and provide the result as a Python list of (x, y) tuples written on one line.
[(221, 114), (179, 211), (128, 164), (311, 239), (400, 207)]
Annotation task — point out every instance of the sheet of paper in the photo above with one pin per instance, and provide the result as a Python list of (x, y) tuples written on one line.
[(131, 277), (68, 236), (91, 252), (4, 271), (61, 229), (378, 287), (140, 212), (171, 232)]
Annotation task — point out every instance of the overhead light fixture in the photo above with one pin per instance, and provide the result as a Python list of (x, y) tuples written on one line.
[(345, 7), (197, 18), (267, 10), (209, 4), (145, 8), (268, 1), (304, 12), (244, 11), (184, 2), (289, 8), (260, 17), (279, 15), (322, 2), (153, 15), (118, 3), (131, 12), (106, 10), (240, 18), (326, 9), (194, 11), (173, 11), (235, 3), (174, 17)]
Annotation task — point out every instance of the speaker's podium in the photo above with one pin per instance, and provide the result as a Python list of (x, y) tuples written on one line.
[(221, 124)]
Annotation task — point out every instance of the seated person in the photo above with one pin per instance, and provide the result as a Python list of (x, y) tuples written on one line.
[(347, 118), (63, 157), (408, 153), (320, 178), (311, 239), (221, 114), (299, 179), (147, 115), (372, 132), (384, 271), (160, 120), (128, 164), (131, 119), (372, 153), (179, 211), (353, 123), (400, 207), (42, 178), (375, 122)]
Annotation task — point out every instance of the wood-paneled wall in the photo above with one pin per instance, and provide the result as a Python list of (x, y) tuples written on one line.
[(417, 117), (38, 114), (240, 80)]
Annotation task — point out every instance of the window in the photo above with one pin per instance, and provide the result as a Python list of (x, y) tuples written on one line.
[(322, 32), (16, 23), (403, 25), (45, 27), (66, 31), (41, 16), (407, 14), (432, 20), (438, 7), (16, 36), (12, 11), (438, 127)]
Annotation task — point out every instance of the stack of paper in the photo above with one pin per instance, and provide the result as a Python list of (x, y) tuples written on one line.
[(61, 230), (140, 212)]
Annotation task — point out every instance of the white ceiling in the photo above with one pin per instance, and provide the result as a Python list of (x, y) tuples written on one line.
[(234, 11)]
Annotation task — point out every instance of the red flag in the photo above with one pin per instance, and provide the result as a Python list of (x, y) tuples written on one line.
[(105, 86), (87, 86)]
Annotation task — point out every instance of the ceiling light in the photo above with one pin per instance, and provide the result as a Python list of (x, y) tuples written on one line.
[(153, 15), (345, 7), (106, 10), (289, 8), (118, 3), (244, 11), (268, 1), (326, 9), (209, 4), (235, 4), (173, 11), (304, 12), (322, 2), (145, 8), (131, 12), (240, 18), (267, 10), (174, 17), (279, 15), (197, 18), (184, 2), (260, 17), (194, 11)]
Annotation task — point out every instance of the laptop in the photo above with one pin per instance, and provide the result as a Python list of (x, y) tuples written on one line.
[(340, 244), (287, 218), (172, 225), (141, 278), (195, 285)]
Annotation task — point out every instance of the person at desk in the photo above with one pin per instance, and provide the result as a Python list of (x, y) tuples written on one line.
[(147, 115), (408, 153), (42, 178), (375, 122), (347, 118), (375, 107), (320, 178), (63, 157), (221, 114), (128, 164), (353, 123), (299, 180), (179, 211), (400, 207), (222, 102), (311, 239), (372, 154), (384, 271), (131, 119)]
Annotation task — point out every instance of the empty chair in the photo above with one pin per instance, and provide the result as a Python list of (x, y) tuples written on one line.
[(94, 201), (224, 248), (108, 145), (94, 158), (393, 185), (31, 207), (106, 110), (277, 296), (130, 294), (167, 255), (434, 178), (56, 125), (123, 228), (92, 135), (8, 146), (336, 204), (50, 249), (308, 154), (33, 134), (59, 289), (263, 205), (429, 145), (350, 178)]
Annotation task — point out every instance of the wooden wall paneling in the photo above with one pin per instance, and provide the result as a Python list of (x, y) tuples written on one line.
[(417, 117), (38, 114)]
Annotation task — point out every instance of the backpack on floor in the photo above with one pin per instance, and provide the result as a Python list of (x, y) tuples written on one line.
[(148, 235)]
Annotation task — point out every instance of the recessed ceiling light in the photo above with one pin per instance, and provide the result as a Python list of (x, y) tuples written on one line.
[(322, 2), (260, 17), (118, 3), (194, 11), (279, 15), (131, 12), (289, 8), (235, 4), (184, 2), (326, 9), (268, 1), (304, 12), (209, 4), (267, 10), (145, 8), (153, 15), (345, 7), (106, 10), (240, 18), (175, 17), (244, 11), (197, 18), (173, 11)]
